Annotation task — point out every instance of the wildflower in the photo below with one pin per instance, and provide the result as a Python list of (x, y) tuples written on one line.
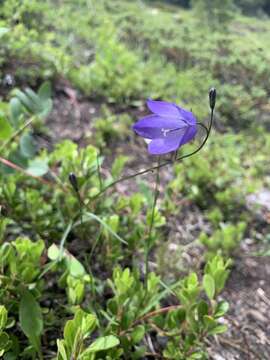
[(167, 129)]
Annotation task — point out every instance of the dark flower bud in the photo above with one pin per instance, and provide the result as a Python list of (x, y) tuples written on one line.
[(3, 211), (212, 98), (73, 181)]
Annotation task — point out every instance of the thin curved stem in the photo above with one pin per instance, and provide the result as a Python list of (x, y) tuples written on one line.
[(203, 126), (142, 172)]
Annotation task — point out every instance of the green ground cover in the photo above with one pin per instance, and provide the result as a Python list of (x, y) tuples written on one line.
[(71, 277)]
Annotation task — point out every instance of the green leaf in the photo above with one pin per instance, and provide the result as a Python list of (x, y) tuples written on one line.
[(221, 309), (88, 324), (45, 91), (221, 276), (209, 286), (4, 340), (3, 317), (75, 268), (5, 128), (202, 309), (61, 349), (36, 103), (33, 103), (53, 252), (27, 146), (80, 327), (24, 99), (103, 343), (138, 333), (30, 317), (38, 167), (218, 329), (70, 332), (197, 356), (16, 111), (73, 265)]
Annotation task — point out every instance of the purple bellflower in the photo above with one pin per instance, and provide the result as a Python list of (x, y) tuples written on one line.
[(167, 129)]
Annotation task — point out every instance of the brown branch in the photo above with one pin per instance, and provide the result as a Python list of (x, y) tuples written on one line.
[(20, 169), (150, 315), (157, 312)]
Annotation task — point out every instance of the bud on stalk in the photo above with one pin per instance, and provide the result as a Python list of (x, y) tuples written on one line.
[(73, 181), (212, 98)]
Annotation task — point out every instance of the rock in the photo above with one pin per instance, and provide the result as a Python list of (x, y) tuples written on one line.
[(259, 204)]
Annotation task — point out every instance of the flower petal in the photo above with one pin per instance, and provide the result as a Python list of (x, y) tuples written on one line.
[(189, 135), (172, 141), (187, 116), (153, 126), (163, 108), (166, 144), (163, 146)]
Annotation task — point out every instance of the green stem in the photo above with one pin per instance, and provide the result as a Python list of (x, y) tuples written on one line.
[(39, 350), (16, 133), (99, 173), (152, 221)]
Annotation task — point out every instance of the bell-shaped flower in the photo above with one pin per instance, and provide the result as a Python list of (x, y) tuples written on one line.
[(167, 129)]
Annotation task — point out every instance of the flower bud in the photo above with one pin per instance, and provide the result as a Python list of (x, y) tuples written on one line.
[(212, 98), (73, 181), (3, 211)]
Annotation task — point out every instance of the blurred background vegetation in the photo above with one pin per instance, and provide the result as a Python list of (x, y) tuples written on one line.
[(125, 52)]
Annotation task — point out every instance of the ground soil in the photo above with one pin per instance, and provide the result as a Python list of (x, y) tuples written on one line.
[(248, 288)]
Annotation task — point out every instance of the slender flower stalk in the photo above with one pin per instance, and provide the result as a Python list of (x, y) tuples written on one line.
[(152, 222), (99, 172)]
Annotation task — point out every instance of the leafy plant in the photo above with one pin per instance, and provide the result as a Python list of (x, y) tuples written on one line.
[(224, 240), (76, 332), (5, 342), (21, 106), (20, 267), (31, 321), (74, 277), (195, 319)]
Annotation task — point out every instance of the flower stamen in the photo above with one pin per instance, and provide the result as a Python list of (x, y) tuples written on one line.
[(166, 131)]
